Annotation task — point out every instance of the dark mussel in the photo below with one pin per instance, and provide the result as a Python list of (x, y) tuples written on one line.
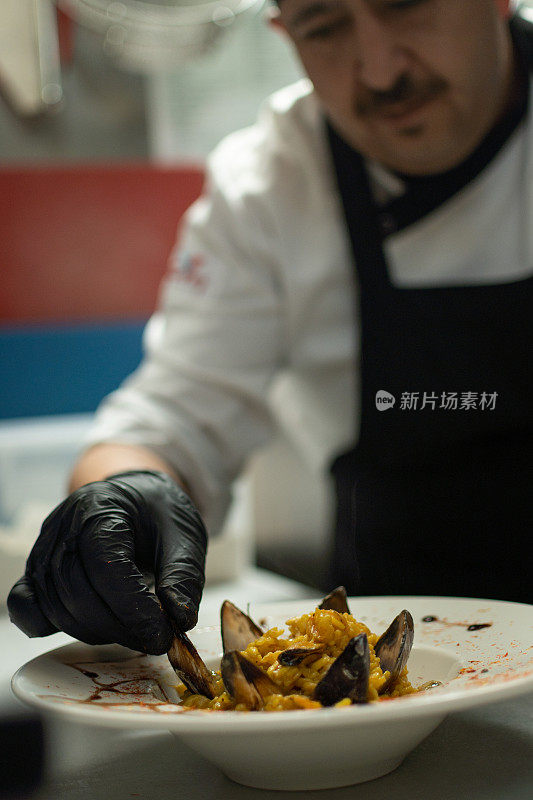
[(336, 601), (237, 628), (295, 655), (394, 646), (189, 666), (245, 682), (348, 675)]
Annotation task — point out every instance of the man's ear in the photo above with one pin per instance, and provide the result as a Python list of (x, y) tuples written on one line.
[(273, 18), (505, 7)]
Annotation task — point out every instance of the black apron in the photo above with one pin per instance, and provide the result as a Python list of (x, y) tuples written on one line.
[(435, 499)]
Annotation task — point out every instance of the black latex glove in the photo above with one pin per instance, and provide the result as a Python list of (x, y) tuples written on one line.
[(84, 573)]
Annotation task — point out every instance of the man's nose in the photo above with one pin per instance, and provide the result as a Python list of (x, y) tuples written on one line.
[(379, 57)]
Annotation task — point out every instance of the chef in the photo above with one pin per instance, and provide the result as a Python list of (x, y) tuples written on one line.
[(367, 249)]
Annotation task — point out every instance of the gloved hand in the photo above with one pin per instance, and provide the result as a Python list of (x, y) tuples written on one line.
[(84, 573)]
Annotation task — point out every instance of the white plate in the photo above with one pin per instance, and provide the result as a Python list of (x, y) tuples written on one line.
[(312, 749)]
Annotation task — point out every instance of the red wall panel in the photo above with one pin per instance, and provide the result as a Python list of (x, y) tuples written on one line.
[(88, 242)]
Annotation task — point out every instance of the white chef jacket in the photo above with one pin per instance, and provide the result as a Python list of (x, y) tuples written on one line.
[(257, 319)]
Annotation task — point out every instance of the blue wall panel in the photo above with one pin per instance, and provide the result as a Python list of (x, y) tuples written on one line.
[(64, 369)]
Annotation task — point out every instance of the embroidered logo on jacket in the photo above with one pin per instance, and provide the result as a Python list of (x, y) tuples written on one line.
[(190, 269)]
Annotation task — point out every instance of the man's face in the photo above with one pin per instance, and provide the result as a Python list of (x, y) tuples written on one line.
[(414, 84)]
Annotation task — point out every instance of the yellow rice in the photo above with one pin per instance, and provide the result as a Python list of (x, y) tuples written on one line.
[(297, 683)]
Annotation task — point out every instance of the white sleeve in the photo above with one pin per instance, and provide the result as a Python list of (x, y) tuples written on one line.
[(199, 398)]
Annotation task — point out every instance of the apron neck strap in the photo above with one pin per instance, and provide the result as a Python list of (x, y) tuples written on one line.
[(360, 212)]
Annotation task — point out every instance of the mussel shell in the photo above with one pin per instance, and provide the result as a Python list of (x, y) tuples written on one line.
[(336, 601), (237, 628), (295, 655), (245, 682), (189, 666), (348, 675), (236, 684), (394, 646)]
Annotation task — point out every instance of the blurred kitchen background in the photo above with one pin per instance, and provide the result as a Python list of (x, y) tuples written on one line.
[(107, 111)]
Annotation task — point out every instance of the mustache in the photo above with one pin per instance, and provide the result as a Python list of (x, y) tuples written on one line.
[(406, 90)]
